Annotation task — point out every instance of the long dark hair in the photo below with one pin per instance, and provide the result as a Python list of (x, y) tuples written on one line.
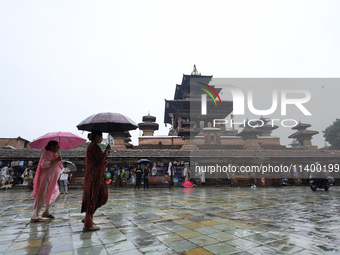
[(50, 144), (91, 136)]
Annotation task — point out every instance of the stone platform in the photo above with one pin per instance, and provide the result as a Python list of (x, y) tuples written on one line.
[(289, 220)]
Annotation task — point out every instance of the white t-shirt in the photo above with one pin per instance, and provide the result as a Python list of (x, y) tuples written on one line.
[(64, 176)]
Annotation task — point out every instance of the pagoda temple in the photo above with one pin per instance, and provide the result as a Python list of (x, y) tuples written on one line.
[(265, 129), (148, 125), (186, 105), (249, 135), (121, 140), (304, 137), (186, 108)]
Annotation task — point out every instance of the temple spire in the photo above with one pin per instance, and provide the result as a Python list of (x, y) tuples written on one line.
[(148, 125), (194, 71)]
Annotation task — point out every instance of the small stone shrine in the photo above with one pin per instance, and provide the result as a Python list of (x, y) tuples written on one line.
[(304, 137)]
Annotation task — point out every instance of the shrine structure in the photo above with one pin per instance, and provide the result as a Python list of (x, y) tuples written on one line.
[(304, 137)]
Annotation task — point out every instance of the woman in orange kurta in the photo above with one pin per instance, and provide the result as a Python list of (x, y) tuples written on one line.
[(46, 188), (95, 192)]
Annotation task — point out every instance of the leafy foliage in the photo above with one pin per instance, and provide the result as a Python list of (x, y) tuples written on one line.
[(107, 140), (123, 175), (84, 146), (332, 134)]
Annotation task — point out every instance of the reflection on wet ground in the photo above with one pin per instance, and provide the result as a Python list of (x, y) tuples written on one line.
[(289, 220)]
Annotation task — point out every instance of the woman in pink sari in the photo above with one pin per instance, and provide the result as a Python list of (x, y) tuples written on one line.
[(46, 188)]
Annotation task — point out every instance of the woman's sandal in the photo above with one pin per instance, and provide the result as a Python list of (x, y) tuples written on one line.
[(38, 220), (51, 216)]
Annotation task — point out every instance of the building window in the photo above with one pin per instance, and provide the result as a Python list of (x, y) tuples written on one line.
[(21, 144)]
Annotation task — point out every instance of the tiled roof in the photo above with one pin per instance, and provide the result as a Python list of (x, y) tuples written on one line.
[(177, 153)]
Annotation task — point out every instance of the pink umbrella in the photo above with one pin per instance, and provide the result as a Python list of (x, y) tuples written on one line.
[(187, 184), (66, 140)]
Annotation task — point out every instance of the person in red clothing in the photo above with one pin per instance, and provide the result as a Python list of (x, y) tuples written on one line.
[(95, 192)]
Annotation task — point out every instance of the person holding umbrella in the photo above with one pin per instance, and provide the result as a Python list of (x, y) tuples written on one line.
[(95, 192), (138, 176), (46, 189)]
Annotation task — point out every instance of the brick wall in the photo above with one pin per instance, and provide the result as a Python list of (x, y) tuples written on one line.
[(16, 143)]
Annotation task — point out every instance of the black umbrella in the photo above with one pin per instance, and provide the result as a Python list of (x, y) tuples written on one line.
[(107, 122), (143, 161)]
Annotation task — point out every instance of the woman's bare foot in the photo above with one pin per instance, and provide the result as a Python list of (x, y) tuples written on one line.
[(37, 220), (92, 228), (47, 215)]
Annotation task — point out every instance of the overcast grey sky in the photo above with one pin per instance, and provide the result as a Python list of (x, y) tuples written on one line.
[(62, 61)]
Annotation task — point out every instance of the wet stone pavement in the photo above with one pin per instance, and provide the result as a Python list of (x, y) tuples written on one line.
[(289, 220)]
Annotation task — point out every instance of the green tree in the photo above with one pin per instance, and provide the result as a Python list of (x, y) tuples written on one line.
[(84, 146), (107, 140), (332, 134)]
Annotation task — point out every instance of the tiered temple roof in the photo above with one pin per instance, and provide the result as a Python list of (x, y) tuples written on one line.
[(304, 136)]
